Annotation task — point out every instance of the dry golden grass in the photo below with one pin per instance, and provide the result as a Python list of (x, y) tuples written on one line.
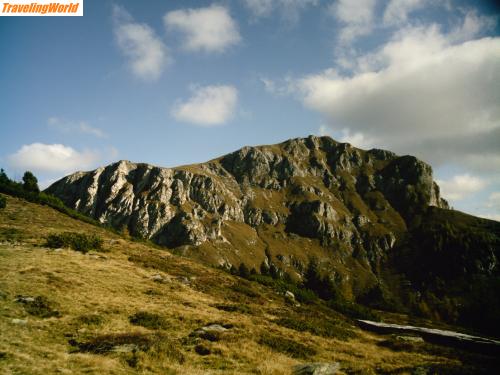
[(96, 293)]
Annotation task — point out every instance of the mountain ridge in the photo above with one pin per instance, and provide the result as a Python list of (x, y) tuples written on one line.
[(368, 218), (270, 167)]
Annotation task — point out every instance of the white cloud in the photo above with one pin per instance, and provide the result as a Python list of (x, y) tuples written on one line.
[(417, 93), (473, 25), (325, 130), (70, 126), (208, 106), (288, 9), (495, 217), (278, 87), (356, 139), (146, 53), (260, 8), (209, 29), (39, 157), (460, 186), (397, 11), (494, 200), (356, 17)]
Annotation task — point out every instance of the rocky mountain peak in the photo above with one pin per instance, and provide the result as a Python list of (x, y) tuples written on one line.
[(306, 188)]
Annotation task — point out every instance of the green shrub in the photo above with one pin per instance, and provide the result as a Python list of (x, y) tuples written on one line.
[(318, 327), (289, 347), (29, 192), (353, 310), (157, 347), (245, 289), (11, 234), (90, 319), (30, 182), (103, 344), (398, 345), (148, 320), (244, 309), (3, 202), (76, 241), (243, 271), (39, 306), (302, 295)]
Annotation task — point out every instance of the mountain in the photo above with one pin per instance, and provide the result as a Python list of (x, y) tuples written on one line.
[(130, 307), (374, 221), (314, 187)]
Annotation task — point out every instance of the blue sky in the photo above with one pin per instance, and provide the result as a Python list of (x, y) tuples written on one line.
[(179, 82)]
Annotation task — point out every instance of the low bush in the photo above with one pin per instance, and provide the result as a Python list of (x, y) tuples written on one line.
[(353, 310), (103, 344), (157, 347), (76, 241), (318, 327), (90, 319), (3, 202), (148, 320), (11, 234), (402, 344), (30, 193), (202, 349), (39, 306), (302, 295), (286, 346), (245, 289), (241, 308)]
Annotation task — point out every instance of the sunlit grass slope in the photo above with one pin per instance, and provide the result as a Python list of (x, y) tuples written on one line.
[(134, 308)]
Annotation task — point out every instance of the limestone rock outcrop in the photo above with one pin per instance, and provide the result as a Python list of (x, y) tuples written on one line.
[(312, 187)]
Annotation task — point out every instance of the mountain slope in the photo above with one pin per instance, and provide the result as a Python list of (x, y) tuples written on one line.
[(341, 197), (369, 218), (90, 321)]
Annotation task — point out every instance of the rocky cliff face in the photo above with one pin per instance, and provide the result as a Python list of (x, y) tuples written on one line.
[(254, 202), (374, 222)]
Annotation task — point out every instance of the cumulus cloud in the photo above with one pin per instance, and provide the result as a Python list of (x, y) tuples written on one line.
[(209, 29), (208, 106), (146, 53), (397, 11), (52, 158), (473, 25), (71, 126), (356, 17), (460, 186), (288, 9), (416, 92), (494, 200), (356, 139), (495, 217)]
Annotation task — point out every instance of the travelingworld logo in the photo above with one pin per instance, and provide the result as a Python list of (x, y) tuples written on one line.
[(41, 8)]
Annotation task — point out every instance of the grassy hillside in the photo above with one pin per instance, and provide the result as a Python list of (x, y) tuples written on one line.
[(134, 308), (449, 260)]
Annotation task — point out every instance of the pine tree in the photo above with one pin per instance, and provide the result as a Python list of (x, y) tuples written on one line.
[(264, 269), (30, 182), (243, 271)]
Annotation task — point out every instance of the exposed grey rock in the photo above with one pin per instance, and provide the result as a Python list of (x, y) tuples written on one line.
[(184, 280), (25, 299), (213, 328), (19, 321), (290, 296), (159, 278), (317, 368), (315, 186), (443, 337), (315, 219)]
